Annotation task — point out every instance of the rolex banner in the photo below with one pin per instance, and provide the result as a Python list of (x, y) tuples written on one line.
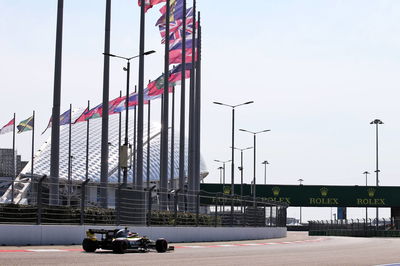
[(316, 195)]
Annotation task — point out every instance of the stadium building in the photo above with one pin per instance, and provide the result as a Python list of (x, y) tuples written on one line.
[(23, 189)]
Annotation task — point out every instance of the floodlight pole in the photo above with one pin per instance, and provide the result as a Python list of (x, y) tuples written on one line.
[(377, 122)]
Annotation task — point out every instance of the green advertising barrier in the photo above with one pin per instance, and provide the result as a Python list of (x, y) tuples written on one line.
[(318, 196)]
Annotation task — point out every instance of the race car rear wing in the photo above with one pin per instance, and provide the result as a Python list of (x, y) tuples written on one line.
[(102, 231)]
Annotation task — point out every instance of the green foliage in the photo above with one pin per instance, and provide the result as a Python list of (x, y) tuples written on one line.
[(14, 213), (27, 214), (182, 219)]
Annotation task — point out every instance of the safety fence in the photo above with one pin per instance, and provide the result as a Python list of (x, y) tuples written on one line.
[(388, 227), (81, 203)]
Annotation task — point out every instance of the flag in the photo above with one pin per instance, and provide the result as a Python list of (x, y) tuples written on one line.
[(94, 112), (65, 119), (133, 101), (175, 52), (148, 97), (149, 3), (176, 7), (9, 127), (25, 125), (176, 27), (175, 56), (156, 87), (112, 105), (82, 117), (97, 111), (175, 75)]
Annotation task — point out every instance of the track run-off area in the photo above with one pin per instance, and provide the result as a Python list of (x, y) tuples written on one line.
[(296, 249)]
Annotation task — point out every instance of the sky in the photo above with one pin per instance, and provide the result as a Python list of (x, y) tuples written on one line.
[(317, 71)]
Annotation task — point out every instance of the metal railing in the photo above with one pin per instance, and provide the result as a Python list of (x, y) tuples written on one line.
[(385, 227), (79, 203)]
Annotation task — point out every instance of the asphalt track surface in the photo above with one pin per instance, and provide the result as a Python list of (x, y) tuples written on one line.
[(296, 249)]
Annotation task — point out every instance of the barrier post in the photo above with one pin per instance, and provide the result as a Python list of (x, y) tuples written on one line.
[(118, 203), (39, 199), (83, 200), (149, 205), (176, 205), (216, 211), (197, 208), (265, 214)]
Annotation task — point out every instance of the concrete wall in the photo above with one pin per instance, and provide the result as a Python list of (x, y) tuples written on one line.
[(20, 235)]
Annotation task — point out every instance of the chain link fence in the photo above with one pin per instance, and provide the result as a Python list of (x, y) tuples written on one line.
[(385, 227), (80, 204)]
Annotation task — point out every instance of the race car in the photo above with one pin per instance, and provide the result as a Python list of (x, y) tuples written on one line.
[(122, 240)]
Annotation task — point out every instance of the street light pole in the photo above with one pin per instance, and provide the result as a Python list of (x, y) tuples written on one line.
[(300, 181), (366, 173), (233, 141), (223, 171), (255, 155), (126, 141), (241, 169), (220, 174), (265, 171), (377, 122)]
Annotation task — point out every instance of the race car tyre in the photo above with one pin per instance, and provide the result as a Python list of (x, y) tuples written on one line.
[(89, 245), (161, 245), (120, 246)]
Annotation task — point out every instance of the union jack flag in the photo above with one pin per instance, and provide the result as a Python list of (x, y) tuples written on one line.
[(176, 27)]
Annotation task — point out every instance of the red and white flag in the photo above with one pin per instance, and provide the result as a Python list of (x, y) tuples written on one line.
[(150, 3), (7, 128)]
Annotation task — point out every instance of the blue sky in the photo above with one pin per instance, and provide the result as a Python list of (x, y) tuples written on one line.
[(318, 71)]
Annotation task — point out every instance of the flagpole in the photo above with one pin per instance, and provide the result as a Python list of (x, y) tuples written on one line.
[(69, 156), (148, 146), (87, 143), (134, 168), (161, 130), (33, 142), (119, 142), (104, 127), (14, 164), (172, 138), (139, 165), (126, 139), (191, 181), (164, 124), (183, 99), (55, 130), (198, 107)]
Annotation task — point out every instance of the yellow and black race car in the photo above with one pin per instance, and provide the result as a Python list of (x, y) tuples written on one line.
[(122, 240)]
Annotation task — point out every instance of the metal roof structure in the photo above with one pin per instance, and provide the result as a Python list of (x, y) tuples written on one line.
[(78, 152)]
